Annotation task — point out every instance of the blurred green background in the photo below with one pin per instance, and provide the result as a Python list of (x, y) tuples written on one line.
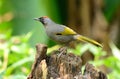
[(19, 33)]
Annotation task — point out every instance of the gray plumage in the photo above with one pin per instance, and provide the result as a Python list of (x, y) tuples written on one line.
[(61, 33), (54, 30)]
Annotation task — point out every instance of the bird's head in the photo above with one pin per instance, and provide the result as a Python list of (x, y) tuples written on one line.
[(44, 20)]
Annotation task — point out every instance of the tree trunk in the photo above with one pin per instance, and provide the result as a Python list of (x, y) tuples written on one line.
[(61, 65)]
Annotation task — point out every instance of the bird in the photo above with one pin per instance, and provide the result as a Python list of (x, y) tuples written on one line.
[(63, 34)]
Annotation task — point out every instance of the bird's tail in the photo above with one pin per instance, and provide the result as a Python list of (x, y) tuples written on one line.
[(85, 39)]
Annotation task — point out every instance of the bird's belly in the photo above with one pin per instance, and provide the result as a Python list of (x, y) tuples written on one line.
[(62, 39)]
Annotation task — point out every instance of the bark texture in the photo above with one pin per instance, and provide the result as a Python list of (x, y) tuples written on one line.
[(61, 65)]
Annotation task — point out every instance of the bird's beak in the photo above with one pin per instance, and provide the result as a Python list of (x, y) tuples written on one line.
[(37, 19), (40, 20)]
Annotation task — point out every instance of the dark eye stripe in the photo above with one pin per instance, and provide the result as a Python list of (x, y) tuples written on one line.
[(58, 34)]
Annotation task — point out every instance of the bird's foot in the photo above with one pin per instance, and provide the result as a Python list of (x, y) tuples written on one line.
[(62, 51)]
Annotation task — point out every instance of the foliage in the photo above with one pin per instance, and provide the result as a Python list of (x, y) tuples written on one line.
[(112, 62), (16, 56)]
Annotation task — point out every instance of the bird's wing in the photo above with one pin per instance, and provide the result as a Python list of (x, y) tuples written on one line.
[(68, 31)]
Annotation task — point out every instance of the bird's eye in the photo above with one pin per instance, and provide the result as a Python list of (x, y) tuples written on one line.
[(58, 34)]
